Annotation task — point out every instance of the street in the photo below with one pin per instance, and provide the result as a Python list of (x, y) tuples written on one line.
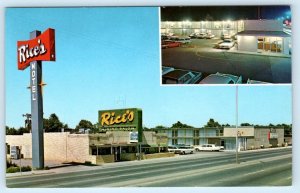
[(201, 56), (257, 168)]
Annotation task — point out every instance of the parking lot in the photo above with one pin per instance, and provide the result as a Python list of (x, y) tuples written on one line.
[(200, 55)]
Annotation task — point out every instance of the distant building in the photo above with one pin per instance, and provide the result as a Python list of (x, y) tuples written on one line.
[(217, 28), (249, 137)]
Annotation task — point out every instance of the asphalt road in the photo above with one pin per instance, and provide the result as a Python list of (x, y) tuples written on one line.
[(256, 168), (201, 56)]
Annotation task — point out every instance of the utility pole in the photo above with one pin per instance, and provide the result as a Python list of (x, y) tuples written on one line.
[(27, 121), (236, 125)]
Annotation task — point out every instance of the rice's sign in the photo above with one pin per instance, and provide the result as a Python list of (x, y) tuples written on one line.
[(41, 48), (117, 119)]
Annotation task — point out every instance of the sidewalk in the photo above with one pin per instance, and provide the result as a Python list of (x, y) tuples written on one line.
[(234, 51)]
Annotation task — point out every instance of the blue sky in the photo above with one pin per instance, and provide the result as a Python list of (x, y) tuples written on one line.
[(109, 58)]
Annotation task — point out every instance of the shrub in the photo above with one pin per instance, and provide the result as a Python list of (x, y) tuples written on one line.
[(12, 169), (26, 168)]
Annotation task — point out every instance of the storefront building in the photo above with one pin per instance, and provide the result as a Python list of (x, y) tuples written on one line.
[(121, 138), (264, 36)]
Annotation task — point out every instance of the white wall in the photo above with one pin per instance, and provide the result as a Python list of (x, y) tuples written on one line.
[(247, 43), (286, 42)]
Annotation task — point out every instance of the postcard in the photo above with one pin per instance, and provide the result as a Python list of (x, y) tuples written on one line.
[(148, 96)]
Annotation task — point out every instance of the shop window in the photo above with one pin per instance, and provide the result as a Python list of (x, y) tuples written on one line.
[(269, 44)]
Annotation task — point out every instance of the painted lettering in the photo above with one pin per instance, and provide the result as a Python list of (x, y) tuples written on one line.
[(110, 118), (26, 53)]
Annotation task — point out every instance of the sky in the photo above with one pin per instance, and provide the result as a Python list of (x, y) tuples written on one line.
[(179, 13), (109, 58)]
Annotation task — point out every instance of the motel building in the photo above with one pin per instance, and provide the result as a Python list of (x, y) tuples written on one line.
[(120, 138), (259, 36), (249, 137)]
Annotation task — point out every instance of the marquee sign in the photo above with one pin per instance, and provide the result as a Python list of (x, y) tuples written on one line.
[(41, 48), (118, 118)]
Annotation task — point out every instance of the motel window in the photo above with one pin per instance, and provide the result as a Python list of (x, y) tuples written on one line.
[(175, 133), (203, 24), (174, 141), (217, 25)]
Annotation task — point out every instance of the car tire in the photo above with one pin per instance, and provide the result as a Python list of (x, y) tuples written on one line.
[(183, 152)]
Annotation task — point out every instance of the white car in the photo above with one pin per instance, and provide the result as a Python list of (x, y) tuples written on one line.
[(220, 78), (182, 40), (227, 44), (249, 81), (172, 148), (184, 149), (209, 36), (201, 35), (166, 69), (208, 147)]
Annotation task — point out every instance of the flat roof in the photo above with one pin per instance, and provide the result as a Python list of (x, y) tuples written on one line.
[(263, 33)]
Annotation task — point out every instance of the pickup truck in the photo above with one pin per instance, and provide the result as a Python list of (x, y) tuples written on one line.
[(208, 147)]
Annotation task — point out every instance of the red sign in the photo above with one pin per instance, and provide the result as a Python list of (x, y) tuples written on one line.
[(41, 48)]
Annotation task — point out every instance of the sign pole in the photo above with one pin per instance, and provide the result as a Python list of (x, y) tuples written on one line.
[(36, 111)]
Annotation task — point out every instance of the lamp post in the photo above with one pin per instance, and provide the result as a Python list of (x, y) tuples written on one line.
[(236, 125)]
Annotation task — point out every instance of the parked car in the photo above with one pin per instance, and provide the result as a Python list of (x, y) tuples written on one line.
[(208, 147), (166, 70), (194, 35), (209, 36), (184, 149), (169, 44), (172, 148), (201, 35), (256, 82), (225, 36), (227, 44), (220, 78), (181, 77), (182, 40)]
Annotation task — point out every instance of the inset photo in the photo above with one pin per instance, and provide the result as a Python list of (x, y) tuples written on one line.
[(226, 45)]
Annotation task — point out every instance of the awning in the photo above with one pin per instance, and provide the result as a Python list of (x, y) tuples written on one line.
[(263, 33)]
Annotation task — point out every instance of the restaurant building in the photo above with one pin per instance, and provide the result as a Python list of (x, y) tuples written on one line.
[(120, 138)]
